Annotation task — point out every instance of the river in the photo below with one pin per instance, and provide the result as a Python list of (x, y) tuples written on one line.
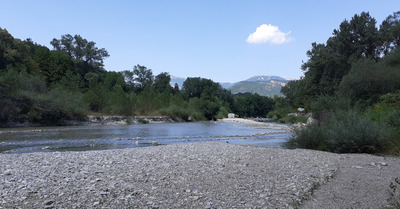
[(100, 137)]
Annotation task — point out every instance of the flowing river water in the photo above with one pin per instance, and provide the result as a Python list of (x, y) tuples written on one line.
[(100, 137)]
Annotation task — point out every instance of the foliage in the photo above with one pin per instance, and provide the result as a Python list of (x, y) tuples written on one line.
[(390, 33), (368, 80), (253, 105), (343, 132), (161, 82), (280, 112), (84, 52), (351, 85), (140, 77), (292, 119), (176, 112), (335, 66), (324, 105)]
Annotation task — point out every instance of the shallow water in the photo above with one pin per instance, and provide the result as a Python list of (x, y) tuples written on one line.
[(100, 137)]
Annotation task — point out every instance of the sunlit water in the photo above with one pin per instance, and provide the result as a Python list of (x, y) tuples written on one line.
[(101, 137)]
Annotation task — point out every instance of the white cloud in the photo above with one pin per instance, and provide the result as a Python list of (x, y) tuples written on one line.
[(268, 34)]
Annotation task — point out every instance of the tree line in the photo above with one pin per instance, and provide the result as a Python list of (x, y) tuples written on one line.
[(351, 84), (52, 86)]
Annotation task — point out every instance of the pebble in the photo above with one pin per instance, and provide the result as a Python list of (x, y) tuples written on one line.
[(48, 202), (382, 163), (8, 172)]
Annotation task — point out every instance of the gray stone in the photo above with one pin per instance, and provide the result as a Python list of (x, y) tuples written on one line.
[(382, 163), (48, 202)]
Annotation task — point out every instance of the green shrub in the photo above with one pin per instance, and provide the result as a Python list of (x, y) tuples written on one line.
[(176, 112), (223, 112), (343, 132), (293, 119), (312, 137), (197, 116), (279, 113), (350, 132), (72, 103), (326, 104)]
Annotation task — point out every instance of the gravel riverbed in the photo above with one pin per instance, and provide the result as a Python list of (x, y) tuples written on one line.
[(196, 175)]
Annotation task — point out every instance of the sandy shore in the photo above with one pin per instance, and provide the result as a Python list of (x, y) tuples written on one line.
[(256, 124)]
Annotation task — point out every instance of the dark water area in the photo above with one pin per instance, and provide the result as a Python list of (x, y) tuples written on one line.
[(102, 137)]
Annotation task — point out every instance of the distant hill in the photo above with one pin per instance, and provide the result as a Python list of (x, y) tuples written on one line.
[(264, 85), (263, 88), (266, 78), (227, 85)]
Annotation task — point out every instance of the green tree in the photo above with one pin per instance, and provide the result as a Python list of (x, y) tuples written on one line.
[(88, 58), (194, 87), (162, 82), (139, 78), (16, 53), (389, 31), (329, 63)]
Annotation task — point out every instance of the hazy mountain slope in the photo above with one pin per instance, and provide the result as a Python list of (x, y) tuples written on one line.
[(263, 88)]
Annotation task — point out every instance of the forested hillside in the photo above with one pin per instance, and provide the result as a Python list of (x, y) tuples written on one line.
[(51, 86)]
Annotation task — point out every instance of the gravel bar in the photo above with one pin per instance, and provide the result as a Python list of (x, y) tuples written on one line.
[(193, 175)]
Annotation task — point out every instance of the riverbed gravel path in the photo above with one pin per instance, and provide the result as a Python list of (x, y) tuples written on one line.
[(195, 175)]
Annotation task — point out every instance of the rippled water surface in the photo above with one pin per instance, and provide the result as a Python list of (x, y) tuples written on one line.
[(100, 137)]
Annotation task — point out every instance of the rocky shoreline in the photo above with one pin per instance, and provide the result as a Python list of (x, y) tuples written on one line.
[(97, 120)]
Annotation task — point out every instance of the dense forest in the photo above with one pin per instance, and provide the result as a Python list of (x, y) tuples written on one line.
[(51, 86), (351, 85)]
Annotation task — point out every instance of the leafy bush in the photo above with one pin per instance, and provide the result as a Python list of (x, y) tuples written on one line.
[(223, 112), (197, 116), (279, 113), (176, 112), (325, 104), (343, 132), (293, 119), (312, 137), (72, 103)]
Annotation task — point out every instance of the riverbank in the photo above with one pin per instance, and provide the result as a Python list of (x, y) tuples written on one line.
[(97, 120), (196, 175)]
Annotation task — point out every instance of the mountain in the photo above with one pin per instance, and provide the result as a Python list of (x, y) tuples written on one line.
[(227, 85), (260, 84), (263, 88), (266, 78)]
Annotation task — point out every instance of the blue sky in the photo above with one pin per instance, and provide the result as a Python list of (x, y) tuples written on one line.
[(226, 41)]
